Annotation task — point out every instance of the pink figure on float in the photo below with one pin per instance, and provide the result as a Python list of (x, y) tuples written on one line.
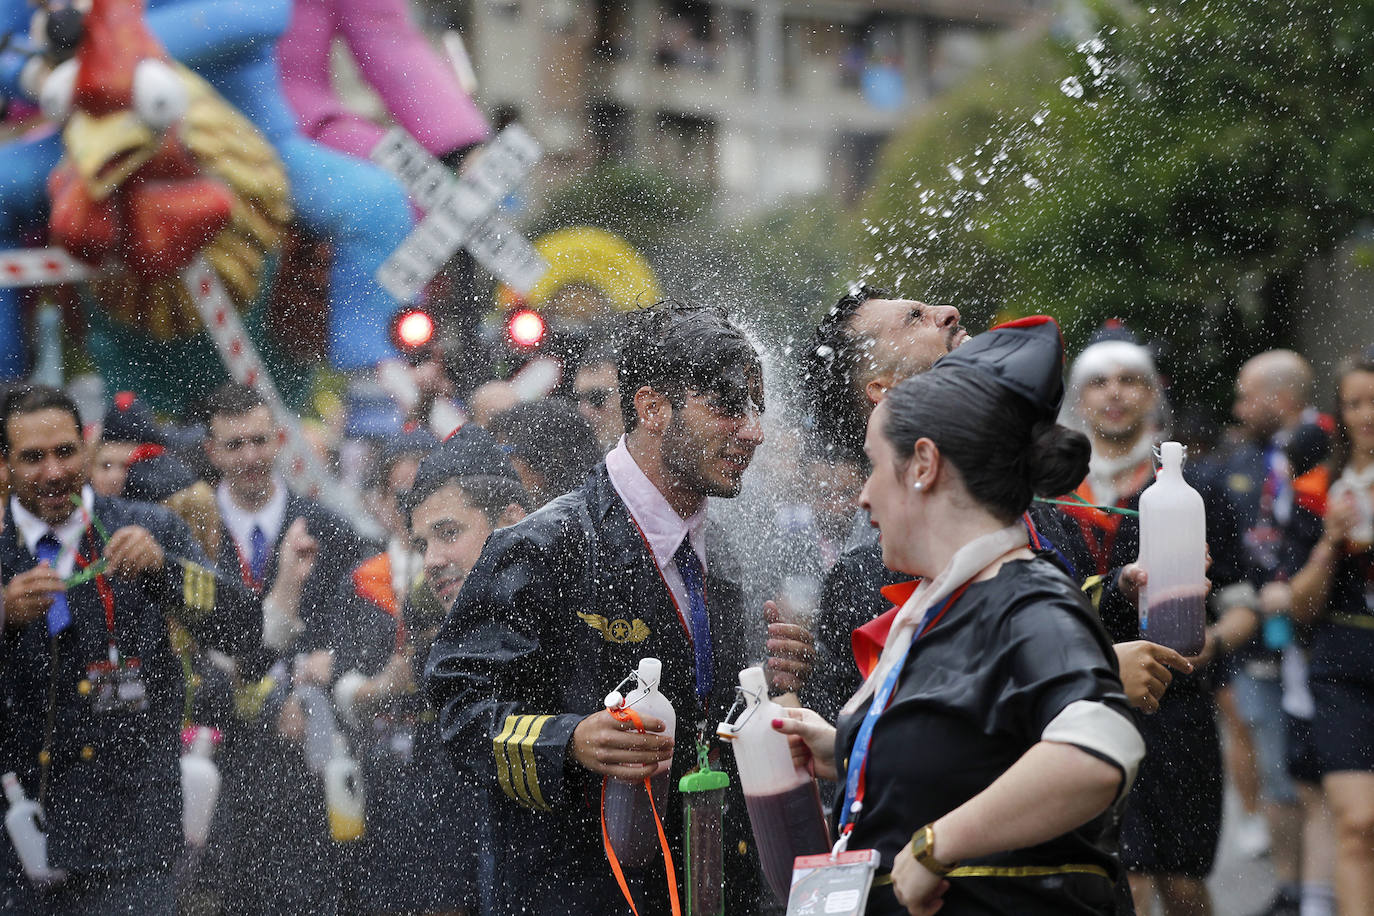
[(419, 90)]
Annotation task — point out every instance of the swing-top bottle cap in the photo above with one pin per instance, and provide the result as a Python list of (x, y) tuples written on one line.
[(13, 791), (615, 699), (650, 670), (754, 684)]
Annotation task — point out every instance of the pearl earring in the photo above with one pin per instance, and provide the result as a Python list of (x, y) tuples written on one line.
[(918, 486)]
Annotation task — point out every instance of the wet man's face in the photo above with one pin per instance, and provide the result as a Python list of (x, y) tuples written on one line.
[(448, 532), (244, 449), (908, 336), (47, 462), (1117, 403), (710, 441)]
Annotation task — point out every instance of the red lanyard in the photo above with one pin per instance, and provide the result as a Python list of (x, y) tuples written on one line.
[(882, 698), (102, 587), (686, 630), (246, 571)]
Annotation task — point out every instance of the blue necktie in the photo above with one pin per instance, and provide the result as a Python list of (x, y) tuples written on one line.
[(59, 615), (257, 554), (689, 565)]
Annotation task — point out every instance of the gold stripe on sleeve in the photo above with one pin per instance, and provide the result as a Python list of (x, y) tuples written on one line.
[(502, 763), (531, 771)]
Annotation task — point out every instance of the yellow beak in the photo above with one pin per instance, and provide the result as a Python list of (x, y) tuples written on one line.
[(108, 149)]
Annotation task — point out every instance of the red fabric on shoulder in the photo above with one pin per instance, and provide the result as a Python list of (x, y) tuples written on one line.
[(372, 580), (1310, 490), (868, 640)]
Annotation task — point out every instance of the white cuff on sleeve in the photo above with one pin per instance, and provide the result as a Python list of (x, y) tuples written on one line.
[(278, 630), (1097, 727), (345, 691)]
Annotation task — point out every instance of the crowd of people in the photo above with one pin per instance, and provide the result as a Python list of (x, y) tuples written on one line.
[(934, 560)]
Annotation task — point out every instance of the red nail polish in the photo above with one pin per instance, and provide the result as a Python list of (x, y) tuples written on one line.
[(777, 723)]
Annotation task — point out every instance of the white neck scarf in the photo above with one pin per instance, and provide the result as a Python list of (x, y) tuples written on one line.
[(1103, 471), (970, 560)]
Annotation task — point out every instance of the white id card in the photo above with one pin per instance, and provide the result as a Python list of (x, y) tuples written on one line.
[(822, 886)]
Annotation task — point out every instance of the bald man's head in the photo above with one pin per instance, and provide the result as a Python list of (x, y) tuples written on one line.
[(1272, 391)]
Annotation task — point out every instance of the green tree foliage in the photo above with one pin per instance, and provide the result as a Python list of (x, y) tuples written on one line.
[(1176, 168)]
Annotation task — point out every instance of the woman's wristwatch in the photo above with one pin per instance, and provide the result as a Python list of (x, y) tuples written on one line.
[(923, 851)]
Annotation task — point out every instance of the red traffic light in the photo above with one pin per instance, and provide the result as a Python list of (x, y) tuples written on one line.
[(526, 328), (412, 329)]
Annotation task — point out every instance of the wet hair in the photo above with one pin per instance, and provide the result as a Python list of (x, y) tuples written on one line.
[(551, 437), (679, 349), (471, 459), (1340, 442), (832, 376), (33, 399), (233, 399), (490, 494), (1005, 449)]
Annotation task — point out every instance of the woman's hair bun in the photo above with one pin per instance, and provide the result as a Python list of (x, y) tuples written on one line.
[(1057, 460)]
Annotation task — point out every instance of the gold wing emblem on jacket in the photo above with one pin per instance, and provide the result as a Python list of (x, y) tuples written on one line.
[(618, 630)]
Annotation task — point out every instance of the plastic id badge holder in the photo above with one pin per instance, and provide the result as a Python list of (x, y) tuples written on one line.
[(826, 885)]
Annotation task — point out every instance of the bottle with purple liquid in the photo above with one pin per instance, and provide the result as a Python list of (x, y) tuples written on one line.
[(1173, 553), (630, 823), (784, 802)]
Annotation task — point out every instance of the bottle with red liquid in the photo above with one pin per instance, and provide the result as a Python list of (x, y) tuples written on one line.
[(784, 801), (629, 817), (1173, 553)]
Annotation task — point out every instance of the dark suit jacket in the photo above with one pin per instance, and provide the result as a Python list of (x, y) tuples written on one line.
[(114, 796), (558, 609), (341, 549)]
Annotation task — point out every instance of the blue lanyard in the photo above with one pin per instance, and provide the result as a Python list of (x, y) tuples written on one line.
[(858, 757)]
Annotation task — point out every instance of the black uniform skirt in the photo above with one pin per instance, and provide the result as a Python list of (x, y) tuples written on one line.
[(1179, 783)]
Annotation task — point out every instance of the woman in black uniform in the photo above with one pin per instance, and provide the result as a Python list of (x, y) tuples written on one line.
[(992, 736), (1329, 549)]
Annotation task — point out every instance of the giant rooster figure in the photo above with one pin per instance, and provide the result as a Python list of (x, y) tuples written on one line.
[(157, 169)]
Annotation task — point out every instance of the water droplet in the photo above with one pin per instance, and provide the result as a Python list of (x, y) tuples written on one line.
[(957, 173), (1071, 87)]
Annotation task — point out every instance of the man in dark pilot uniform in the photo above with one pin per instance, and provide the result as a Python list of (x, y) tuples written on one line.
[(91, 691), (561, 606)]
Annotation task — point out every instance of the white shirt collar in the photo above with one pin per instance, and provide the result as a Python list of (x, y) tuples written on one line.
[(240, 521), (68, 534), (663, 528)]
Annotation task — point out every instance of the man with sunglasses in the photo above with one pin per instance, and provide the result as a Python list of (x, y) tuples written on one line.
[(91, 691), (598, 394), (562, 605)]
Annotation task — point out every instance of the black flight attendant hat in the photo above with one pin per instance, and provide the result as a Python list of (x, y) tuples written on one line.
[(1025, 356)]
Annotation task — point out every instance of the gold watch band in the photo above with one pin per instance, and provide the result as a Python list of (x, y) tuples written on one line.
[(923, 849)]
